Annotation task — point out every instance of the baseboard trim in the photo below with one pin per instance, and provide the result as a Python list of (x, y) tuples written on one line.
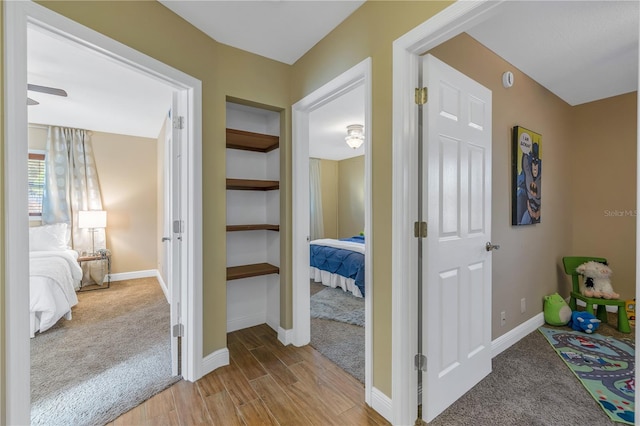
[(246, 321), (381, 403), (218, 359), (285, 336), (121, 276), (163, 285), (513, 336)]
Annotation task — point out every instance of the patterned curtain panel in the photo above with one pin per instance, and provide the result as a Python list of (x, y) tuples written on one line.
[(315, 197), (71, 186)]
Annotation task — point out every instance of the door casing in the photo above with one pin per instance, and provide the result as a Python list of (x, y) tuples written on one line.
[(17, 16)]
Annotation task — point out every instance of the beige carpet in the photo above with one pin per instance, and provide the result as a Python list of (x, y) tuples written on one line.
[(113, 354)]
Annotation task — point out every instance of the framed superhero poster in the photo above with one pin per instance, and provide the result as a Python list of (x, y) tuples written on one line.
[(526, 203)]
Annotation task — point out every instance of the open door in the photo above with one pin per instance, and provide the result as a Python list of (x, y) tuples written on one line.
[(175, 222), (456, 203)]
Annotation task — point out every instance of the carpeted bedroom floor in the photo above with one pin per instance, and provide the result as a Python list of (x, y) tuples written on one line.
[(112, 355), (341, 342)]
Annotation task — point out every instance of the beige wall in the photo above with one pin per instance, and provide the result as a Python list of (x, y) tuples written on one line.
[(127, 172), (351, 197), (329, 177), (604, 185), (128, 182)]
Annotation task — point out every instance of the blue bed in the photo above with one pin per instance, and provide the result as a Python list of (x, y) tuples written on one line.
[(339, 263)]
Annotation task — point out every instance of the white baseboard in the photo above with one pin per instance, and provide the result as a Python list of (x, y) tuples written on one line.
[(218, 359), (163, 285), (285, 336), (121, 276), (381, 403), (239, 323), (511, 337), (610, 308)]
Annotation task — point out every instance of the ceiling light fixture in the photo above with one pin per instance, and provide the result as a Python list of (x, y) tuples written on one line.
[(355, 135)]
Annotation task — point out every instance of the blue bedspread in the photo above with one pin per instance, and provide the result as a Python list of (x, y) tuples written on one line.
[(347, 263)]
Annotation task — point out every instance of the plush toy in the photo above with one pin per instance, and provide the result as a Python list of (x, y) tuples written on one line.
[(556, 310), (597, 280), (584, 321)]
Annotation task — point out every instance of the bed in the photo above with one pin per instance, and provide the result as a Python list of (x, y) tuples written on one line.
[(54, 277), (339, 263)]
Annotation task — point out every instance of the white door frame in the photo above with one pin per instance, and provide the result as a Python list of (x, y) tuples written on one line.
[(359, 75), (450, 22), (17, 16)]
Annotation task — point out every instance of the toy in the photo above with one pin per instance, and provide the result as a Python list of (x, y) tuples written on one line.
[(597, 280), (584, 321), (630, 307), (556, 310)]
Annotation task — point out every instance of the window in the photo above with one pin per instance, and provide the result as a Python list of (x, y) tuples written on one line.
[(36, 183)]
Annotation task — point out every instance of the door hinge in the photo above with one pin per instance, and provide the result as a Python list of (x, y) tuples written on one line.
[(178, 330), (178, 122), (421, 95), (420, 362), (420, 229), (178, 227)]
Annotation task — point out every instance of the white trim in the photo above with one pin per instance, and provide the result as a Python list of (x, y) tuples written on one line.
[(247, 321), (448, 23), (356, 76), (121, 276), (16, 18), (514, 335), (213, 361), (381, 403), (285, 336), (163, 285)]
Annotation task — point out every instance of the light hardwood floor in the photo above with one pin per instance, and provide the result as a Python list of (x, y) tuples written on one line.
[(265, 383)]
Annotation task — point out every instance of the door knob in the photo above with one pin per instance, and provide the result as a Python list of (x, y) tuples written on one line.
[(166, 239), (490, 246)]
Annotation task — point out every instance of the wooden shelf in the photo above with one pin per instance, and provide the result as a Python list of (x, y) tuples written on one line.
[(255, 270), (249, 141), (253, 227), (252, 185)]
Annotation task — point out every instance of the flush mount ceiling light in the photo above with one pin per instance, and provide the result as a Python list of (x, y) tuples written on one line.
[(355, 135)]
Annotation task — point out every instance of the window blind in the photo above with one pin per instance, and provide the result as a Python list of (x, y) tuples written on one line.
[(36, 183)]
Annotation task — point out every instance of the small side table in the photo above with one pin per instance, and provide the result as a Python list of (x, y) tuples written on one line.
[(102, 256)]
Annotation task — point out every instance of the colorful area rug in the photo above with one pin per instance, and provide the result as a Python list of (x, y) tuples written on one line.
[(605, 366)]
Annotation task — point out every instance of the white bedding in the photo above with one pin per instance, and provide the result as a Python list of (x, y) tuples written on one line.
[(54, 277), (346, 245)]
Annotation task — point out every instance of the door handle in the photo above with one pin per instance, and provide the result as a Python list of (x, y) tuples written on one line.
[(166, 239), (490, 246)]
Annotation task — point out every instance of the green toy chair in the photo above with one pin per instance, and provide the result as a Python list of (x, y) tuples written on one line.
[(570, 265)]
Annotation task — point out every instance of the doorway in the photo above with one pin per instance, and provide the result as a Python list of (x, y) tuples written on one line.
[(18, 16), (358, 76)]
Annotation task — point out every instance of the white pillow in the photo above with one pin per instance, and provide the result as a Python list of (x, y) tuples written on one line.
[(49, 237)]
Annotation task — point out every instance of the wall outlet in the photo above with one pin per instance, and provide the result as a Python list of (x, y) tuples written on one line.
[(523, 305), (503, 318)]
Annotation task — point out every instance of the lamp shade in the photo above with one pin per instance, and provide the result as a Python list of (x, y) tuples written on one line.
[(92, 219)]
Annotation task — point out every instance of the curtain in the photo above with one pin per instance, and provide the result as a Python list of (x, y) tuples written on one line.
[(72, 185), (315, 198)]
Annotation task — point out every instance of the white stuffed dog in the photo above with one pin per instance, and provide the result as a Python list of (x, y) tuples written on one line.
[(597, 281)]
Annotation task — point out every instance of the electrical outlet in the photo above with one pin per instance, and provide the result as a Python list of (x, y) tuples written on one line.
[(503, 318), (523, 305)]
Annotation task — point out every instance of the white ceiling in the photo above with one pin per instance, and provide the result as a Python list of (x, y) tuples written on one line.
[(102, 96), (280, 30), (580, 50)]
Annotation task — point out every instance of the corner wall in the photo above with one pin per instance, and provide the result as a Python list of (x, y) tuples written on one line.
[(604, 192)]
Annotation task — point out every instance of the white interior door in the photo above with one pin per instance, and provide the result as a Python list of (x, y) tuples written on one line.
[(176, 222), (457, 207)]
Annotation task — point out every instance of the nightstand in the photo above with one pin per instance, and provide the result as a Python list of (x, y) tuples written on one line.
[(102, 256)]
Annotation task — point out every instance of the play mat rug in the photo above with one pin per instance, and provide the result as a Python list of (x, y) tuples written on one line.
[(604, 365)]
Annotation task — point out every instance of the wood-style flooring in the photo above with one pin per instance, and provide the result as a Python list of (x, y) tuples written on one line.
[(266, 383)]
